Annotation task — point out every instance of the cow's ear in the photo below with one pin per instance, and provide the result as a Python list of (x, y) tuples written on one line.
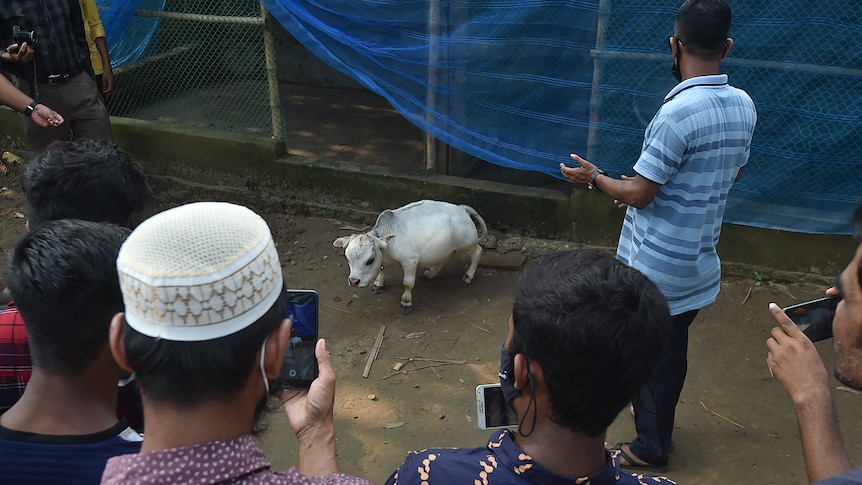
[(383, 242), (342, 242)]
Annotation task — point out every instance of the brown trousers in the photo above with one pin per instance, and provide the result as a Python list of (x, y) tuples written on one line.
[(78, 102)]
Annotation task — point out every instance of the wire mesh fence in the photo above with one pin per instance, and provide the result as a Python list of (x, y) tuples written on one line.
[(207, 67)]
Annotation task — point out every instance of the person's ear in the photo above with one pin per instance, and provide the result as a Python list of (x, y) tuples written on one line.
[(527, 370), (674, 46), (522, 376), (511, 335), (115, 339), (727, 47), (275, 345)]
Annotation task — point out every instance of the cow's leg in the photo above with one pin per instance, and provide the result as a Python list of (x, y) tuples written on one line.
[(409, 281), (432, 272), (379, 285), (475, 256)]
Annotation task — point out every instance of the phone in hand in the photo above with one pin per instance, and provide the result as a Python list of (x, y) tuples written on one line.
[(299, 367), (814, 317), (492, 409)]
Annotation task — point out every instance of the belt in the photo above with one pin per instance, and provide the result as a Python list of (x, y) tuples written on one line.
[(60, 78)]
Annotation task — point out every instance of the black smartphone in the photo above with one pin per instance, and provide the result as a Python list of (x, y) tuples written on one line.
[(814, 317), (299, 368), (492, 409)]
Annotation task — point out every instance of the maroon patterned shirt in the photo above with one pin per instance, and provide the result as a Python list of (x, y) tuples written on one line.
[(15, 365), (238, 460)]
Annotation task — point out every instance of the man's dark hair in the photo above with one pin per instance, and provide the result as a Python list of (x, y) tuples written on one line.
[(703, 27), (63, 278), (185, 374), (84, 179), (595, 326)]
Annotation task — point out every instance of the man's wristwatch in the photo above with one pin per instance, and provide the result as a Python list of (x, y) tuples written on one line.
[(592, 183), (30, 109)]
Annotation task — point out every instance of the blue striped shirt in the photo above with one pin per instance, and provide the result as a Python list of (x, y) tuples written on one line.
[(694, 147)]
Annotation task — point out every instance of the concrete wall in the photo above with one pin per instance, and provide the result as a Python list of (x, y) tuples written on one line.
[(255, 168)]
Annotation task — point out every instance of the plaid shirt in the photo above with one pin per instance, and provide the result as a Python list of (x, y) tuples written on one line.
[(59, 28), (15, 366)]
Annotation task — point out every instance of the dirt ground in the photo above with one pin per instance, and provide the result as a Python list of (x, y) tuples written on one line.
[(734, 423)]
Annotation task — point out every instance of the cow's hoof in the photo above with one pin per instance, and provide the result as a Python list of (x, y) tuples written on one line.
[(377, 289), (465, 282), (405, 309)]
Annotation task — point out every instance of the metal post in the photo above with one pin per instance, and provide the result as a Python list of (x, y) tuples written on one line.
[(595, 94), (432, 153), (272, 78)]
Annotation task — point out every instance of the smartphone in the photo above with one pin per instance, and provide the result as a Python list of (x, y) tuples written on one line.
[(814, 317), (492, 409), (299, 368)]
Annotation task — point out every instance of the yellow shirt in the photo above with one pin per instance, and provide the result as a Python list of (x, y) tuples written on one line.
[(93, 29)]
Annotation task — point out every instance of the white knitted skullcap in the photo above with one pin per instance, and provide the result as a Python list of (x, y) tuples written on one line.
[(199, 272)]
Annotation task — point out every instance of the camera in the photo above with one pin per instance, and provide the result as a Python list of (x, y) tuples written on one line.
[(20, 36)]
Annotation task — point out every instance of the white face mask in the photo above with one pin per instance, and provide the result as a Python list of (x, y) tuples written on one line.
[(262, 371)]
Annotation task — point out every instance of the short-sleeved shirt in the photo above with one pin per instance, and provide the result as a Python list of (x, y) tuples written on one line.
[(502, 462), (15, 365), (238, 460), (694, 148), (61, 459), (853, 477)]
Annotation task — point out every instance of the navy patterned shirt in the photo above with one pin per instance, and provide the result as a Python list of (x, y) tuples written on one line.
[(502, 462), (59, 29)]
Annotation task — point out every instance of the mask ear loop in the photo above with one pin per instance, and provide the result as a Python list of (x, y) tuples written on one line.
[(532, 404), (262, 371)]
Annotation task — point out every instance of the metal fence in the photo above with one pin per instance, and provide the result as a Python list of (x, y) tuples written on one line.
[(211, 65)]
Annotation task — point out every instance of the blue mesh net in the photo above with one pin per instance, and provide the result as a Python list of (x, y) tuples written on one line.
[(129, 37), (523, 83)]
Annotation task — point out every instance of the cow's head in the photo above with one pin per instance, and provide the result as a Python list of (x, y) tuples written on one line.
[(364, 254)]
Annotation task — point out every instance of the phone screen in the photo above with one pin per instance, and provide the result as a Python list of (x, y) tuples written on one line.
[(814, 317), (299, 368), (492, 408)]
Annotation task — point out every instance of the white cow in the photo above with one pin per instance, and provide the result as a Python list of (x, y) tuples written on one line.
[(423, 233)]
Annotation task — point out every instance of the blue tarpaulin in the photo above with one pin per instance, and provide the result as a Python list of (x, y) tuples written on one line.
[(523, 83)]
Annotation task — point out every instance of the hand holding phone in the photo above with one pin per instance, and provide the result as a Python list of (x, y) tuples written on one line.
[(492, 409), (299, 367), (814, 318)]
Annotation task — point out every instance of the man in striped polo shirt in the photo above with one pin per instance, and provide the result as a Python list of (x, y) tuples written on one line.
[(694, 150)]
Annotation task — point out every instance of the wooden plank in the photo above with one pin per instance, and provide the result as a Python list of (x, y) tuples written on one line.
[(374, 351)]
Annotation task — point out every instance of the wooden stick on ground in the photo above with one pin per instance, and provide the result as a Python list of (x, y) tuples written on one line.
[(476, 326), (432, 368), (374, 351), (720, 416), (405, 371)]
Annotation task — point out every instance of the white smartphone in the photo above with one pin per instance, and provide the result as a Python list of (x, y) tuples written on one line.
[(492, 409)]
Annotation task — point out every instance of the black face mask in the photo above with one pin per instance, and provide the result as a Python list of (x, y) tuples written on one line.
[(507, 385), (507, 381)]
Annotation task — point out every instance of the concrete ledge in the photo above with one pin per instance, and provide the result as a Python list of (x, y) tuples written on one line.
[(205, 148), (530, 211), (358, 193), (248, 169)]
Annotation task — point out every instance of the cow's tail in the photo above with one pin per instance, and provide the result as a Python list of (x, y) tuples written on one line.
[(483, 229)]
